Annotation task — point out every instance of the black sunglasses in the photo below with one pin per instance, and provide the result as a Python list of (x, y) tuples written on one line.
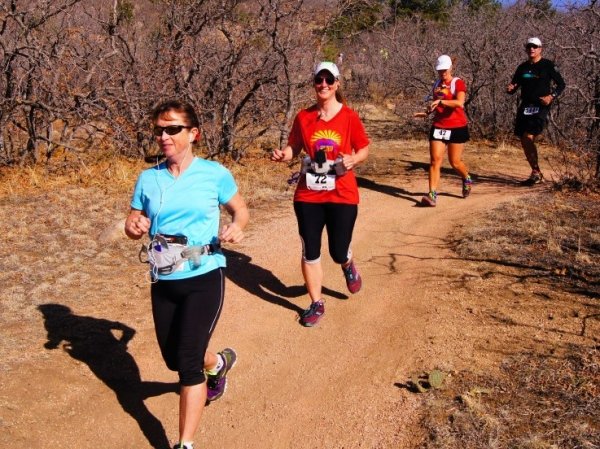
[(170, 130), (328, 79), (528, 46)]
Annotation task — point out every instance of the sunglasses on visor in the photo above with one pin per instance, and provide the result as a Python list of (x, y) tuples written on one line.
[(329, 79), (170, 130)]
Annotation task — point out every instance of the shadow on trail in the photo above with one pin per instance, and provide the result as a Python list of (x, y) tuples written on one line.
[(492, 178), (398, 192), (573, 282), (408, 386), (415, 197), (264, 284), (582, 319), (102, 345), (389, 190)]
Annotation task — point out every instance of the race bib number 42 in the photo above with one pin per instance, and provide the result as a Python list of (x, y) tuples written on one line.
[(315, 181), (441, 134)]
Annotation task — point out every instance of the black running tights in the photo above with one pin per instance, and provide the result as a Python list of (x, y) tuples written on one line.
[(185, 314)]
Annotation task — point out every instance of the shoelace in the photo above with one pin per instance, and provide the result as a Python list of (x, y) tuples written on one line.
[(313, 309), (349, 273), (212, 380)]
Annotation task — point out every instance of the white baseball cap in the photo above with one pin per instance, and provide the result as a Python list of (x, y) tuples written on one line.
[(329, 66), (444, 62), (534, 41)]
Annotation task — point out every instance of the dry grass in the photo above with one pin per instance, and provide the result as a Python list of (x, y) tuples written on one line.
[(258, 178), (535, 403), (114, 175), (554, 233), (262, 181), (536, 400)]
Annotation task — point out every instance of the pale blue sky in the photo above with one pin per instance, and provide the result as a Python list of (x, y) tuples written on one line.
[(558, 4)]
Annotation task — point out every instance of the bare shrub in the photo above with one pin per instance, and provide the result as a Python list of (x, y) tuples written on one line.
[(78, 69), (576, 122), (81, 75), (34, 40), (395, 63)]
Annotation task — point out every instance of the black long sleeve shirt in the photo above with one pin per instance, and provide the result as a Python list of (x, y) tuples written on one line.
[(535, 81)]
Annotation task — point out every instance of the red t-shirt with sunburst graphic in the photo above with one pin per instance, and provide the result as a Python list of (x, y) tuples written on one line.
[(340, 135)]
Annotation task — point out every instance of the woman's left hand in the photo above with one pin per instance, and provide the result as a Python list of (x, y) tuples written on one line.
[(546, 99), (353, 160), (349, 161), (231, 233)]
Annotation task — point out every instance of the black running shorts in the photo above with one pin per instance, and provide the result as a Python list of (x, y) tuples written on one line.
[(531, 124), (449, 135)]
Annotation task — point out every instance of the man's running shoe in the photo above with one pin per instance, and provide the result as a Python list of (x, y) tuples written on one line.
[(311, 316), (467, 183), (536, 177), (353, 279), (217, 383), (429, 200)]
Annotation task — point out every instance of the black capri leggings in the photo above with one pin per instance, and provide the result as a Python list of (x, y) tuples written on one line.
[(339, 220), (185, 314)]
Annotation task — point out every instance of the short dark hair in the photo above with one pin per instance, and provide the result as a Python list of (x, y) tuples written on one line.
[(178, 106)]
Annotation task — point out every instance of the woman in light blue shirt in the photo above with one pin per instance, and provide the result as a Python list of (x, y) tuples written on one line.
[(177, 203)]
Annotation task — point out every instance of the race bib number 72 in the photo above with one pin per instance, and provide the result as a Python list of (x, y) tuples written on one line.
[(316, 181)]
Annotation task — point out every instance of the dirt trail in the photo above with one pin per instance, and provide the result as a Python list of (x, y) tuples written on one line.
[(339, 385), (336, 385)]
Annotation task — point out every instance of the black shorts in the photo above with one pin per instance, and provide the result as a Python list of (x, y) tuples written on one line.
[(339, 219), (449, 135), (531, 124)]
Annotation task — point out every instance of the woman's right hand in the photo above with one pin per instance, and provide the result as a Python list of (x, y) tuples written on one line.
[(433, 106), (282, 155), (136, 224)]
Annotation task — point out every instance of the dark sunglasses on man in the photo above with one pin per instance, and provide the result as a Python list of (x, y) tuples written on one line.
[(530, 46), (329, 79), (170, 130)]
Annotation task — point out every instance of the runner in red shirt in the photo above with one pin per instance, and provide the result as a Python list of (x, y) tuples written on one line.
[(334, 141), (449, 129)]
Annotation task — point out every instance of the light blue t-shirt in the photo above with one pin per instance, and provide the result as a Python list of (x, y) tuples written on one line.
[(187, 205)]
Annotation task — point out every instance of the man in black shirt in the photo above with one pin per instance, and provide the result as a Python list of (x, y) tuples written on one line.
[(535, 78)]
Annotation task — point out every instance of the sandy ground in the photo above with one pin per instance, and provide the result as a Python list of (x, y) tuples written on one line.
[(80, 366)]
